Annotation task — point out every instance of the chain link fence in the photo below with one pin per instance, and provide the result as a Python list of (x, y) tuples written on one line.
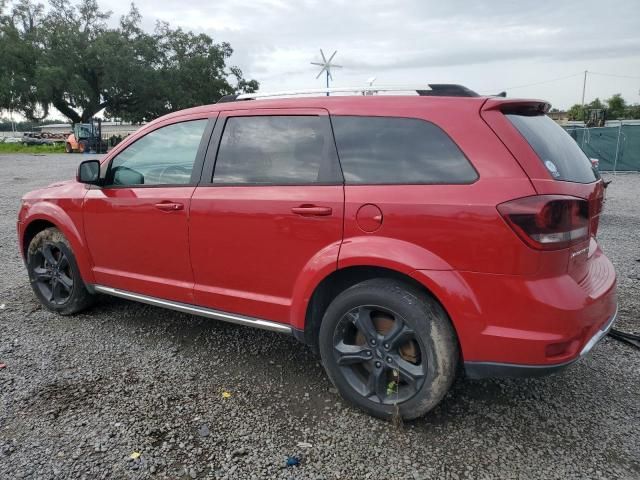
[(616, 147)]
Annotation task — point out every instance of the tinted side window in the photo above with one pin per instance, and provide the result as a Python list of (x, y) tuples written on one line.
[(559, 153), (384, 150), (277, 150), (162, 157)]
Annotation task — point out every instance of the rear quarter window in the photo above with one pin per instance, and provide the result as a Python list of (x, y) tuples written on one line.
[(558, 152), (386, 150)]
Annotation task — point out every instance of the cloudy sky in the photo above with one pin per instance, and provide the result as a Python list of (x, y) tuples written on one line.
[(530, 48), (486, 45)]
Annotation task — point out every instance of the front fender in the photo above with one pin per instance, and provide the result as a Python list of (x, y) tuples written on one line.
[(71, 140), (66, 216)]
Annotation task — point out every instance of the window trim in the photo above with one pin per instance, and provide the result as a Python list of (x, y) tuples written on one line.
[(196, 171), (211, 159), (367, 184)]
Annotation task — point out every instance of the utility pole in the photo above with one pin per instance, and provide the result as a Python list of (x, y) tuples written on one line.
[(584, 88)]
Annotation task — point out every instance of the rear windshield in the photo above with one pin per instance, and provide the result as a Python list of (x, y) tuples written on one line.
[(559, 153)]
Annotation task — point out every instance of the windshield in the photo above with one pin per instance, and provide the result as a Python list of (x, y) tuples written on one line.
[(84, 131), (559, 153)]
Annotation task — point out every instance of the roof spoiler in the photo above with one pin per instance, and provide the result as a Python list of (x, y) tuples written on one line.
[(447, 90), (519, 106)]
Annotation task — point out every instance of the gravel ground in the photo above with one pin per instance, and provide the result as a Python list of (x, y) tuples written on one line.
[(80, 394)]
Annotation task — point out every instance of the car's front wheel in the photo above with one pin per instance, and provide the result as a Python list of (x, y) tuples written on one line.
[(389, 348), (54, 274)]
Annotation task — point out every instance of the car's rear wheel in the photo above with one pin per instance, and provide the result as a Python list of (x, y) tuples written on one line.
[(54, 274), (67, 148), (389, 348)]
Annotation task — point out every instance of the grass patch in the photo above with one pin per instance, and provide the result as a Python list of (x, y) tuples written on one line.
[(20, 148)]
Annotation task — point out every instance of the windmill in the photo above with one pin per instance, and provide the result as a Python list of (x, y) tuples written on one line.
[(326, 66)]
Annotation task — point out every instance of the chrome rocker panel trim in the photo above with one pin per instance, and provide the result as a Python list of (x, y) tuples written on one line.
[(195, 310)]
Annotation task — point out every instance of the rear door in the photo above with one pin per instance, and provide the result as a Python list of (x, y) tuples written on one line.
[(272, 209)]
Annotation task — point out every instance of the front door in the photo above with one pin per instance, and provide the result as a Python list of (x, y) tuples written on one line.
[(136, 225), (272, 210)]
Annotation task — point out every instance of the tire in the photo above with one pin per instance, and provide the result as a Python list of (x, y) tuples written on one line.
[(54, 274), (414, 360), (67, 148)]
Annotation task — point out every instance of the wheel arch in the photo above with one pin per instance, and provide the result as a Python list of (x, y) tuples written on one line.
[(341, 279), (39, 221), (31, 230)]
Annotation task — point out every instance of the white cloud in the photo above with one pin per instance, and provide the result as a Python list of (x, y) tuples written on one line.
[(484, 44)]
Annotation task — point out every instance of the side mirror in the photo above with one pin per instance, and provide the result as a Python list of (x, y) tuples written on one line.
[(89, 172)]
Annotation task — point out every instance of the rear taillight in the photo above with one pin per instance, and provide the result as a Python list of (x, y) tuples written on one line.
[(548, 222)]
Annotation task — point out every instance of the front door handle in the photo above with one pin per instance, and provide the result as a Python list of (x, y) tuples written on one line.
[(169, 206), (312, 210)]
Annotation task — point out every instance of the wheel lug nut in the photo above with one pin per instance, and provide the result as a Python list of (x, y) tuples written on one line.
[(368, 354), (386, 345), (378, 364), (373, 342), (389, 359)]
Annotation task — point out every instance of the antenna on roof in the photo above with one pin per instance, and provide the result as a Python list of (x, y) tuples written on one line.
[(370, 81), (326, 66)]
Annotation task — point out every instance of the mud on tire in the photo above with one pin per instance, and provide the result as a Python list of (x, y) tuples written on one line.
[(389, 348), (54, 274)]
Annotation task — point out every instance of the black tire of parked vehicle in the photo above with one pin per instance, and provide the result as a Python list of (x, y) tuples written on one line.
[(371, 370), (54, 274), (67, 147)]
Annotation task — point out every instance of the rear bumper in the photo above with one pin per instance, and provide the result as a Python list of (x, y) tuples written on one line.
[(492, 369), (509, 325)]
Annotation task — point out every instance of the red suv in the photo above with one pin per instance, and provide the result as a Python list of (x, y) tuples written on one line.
[(402, 236)]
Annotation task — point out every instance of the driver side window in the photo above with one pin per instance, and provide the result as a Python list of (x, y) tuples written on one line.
[(162, 157)]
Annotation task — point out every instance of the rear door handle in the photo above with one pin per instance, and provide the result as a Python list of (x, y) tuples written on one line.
[(312, 210), (169, 206)]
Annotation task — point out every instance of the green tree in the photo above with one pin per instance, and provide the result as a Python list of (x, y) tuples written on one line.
[(634, 111), (577, 112), (617, 107), (19, 53), (69, 58)]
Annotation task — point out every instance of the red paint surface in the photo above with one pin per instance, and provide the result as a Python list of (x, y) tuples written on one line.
[(246, 249)]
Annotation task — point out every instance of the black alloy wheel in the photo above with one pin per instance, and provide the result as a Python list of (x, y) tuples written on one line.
[(379, 354), (52, 273), (389, 348)]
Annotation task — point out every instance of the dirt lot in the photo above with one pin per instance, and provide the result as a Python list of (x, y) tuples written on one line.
[(80, 394)]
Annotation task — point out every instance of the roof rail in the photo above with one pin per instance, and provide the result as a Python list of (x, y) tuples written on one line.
[(432, 90)]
